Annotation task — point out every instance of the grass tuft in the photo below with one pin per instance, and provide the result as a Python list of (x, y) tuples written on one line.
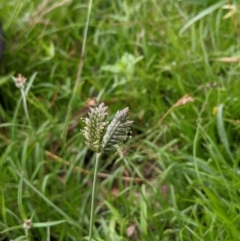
[(175, 64)]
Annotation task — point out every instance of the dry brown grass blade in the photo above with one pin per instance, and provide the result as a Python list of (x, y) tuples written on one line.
[(44, 8), (182, 101), (229, 59), (100, 174)]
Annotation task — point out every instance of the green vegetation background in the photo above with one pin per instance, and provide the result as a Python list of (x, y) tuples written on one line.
[(177, 178)]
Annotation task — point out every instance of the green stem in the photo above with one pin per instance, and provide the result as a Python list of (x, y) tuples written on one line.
[(27, 234), (25, 105), (98, 155), (79, 72)]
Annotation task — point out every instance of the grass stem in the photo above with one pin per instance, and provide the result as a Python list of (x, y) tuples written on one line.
[(79, 71), (25, 105), (98, 155)]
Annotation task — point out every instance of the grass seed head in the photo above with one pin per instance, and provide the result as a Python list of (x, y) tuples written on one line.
[(117, 130), (95, 125), (100, 139), (20, 81)]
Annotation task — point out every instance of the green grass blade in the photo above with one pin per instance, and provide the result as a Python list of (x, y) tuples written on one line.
[(201, 15), (48, 224), (221, 130), (50, 203)]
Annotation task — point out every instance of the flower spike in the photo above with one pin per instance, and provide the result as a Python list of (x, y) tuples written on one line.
[(95, 125), (117, 130)]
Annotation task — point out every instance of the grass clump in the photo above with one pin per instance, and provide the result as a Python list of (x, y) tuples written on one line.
[(175, 65)]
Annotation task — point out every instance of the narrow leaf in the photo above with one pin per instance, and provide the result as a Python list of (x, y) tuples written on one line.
[(221, 130), (202, 14)]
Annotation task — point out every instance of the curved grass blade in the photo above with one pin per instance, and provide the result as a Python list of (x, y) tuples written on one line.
[(221, 130)]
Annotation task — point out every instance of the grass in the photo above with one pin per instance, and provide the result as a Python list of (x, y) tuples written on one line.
[(177, 178)]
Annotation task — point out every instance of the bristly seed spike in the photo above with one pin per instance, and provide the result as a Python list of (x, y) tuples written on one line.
[(95, 125), (116, 132)]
